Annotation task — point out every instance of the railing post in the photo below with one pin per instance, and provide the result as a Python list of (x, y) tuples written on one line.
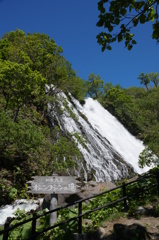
[(124, 195), (80, 218), (5, 235), (157, 173), (33, 224)]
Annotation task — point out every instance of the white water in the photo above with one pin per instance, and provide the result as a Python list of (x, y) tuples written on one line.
[(22, 204), (109, 127), (107, 141)]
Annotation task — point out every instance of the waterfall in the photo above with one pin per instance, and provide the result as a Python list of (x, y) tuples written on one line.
[(22, 204), (110, 151)]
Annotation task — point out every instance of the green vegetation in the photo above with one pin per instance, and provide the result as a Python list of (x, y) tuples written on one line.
[(145, 79), (30, 143), (136, 108), (118, 18), (137, 197), (32, 74), (94, 85)]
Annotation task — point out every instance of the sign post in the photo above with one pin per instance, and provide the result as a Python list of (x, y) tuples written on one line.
[(53, 185), (53, 205)]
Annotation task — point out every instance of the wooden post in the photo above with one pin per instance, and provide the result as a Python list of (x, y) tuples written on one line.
[(33, 230), (80, 218), (157, 180), (124, 195), (53, 205), (5, 235)]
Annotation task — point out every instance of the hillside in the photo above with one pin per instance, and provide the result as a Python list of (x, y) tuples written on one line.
[(33, 141), (30, 144), (140, 222), (124, 228)]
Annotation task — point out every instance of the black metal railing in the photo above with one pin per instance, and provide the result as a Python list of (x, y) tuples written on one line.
[(127, 194)]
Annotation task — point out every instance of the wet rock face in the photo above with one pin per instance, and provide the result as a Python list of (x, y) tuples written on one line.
[(109, 151)]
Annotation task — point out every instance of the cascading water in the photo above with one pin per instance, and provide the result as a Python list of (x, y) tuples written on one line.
[(110, 151), (22, 204)]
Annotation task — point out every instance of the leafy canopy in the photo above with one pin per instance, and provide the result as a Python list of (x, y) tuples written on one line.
[(145, 79), (19, 84), (119, 17), (31, 142), (95, 85)]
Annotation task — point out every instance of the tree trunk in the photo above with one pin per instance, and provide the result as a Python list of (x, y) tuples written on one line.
[(16, 114)]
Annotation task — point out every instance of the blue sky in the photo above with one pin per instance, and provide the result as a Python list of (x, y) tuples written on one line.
[(72, 24)]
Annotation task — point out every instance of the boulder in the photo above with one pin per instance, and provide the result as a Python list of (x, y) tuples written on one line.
[(130, 232)]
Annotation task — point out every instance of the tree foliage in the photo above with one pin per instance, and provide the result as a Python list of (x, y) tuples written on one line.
[(95, 85), (32, 74), (30, 144), (118, 18), (147, 158), (137, 109), (20, 85), (145, 79)]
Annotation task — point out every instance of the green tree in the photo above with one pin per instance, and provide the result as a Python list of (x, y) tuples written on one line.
[(144, 79), (118, 18), (147, 158), (19, 85), (42, 54), (94, 85), (31, 142), (154, 78), (19, 140)]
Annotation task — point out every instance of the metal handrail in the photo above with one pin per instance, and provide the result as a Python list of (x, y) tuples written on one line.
[(8, 228)]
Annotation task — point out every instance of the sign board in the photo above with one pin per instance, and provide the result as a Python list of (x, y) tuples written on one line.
[(53, 184)]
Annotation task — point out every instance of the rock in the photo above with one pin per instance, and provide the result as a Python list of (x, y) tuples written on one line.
[(101, 232), (78, 236), (96, 235), (104, 225), (130, 232), (141, 210), (92, 183), (87, 222)]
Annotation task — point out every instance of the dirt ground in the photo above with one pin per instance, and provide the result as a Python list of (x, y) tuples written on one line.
[(151, 225), (142, 226), (145, 225)]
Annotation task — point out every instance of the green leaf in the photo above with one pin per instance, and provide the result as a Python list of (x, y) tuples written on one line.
[(118, 13), (120, 38), (152, 14), (135, 21), (109, 47), (129, 47), (117, 21), (26, 231), (100, 7), (142, 18), (134, 42), (123, 11), (155, 34), (110, 28), (100, 23)]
